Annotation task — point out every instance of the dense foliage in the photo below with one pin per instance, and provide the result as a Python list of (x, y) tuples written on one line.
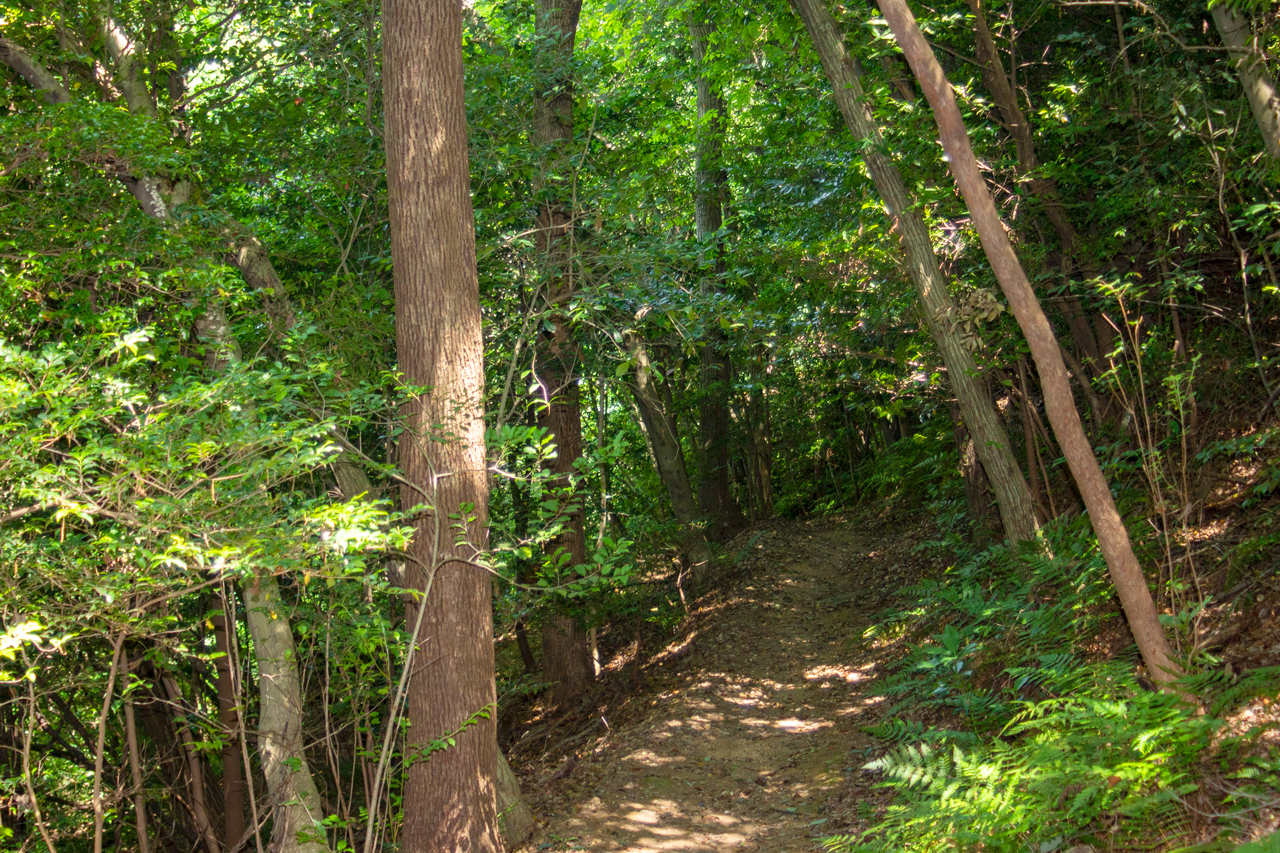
[(182, 388)]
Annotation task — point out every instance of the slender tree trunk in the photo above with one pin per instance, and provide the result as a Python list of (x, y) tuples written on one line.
[(759, 450), (654, 405), (296, 810), (135, 773), (1113, 539), (990, 437), (1015, 122), (229, 723), (1259, 86), (566, 652), (450, 795), (715, 498)]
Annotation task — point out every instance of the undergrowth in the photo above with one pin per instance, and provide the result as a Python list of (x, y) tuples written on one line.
[(1017, 720)]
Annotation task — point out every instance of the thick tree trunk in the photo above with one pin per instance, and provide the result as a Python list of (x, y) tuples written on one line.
[(566, 652), (450, 794), (1259, 86), (990, 437), (715, 498), (514, 814), (657, 420), (1113, 539)]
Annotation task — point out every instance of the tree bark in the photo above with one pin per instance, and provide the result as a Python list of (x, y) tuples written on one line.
[(990, 437), (1113, 539), (296, 810), (229, 722), (759, 444), (715, 498), (450, 796), (654, 405), (1259, 86), (566, 652), (514, 814)]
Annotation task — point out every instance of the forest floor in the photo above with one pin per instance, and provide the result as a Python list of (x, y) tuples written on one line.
[(744, 731)]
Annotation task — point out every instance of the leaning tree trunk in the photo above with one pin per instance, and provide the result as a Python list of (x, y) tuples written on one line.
[(715, 498), (1259, 85), (657, 420), (566, 652), (450, 793), (992, 441), (1113, 539)]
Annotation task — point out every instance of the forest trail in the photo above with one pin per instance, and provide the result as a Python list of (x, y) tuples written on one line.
[(747, 732)]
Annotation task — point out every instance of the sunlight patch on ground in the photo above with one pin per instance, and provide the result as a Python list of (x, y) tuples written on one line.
[(860, 706), (649, 758), (851, 674), (795, 726)]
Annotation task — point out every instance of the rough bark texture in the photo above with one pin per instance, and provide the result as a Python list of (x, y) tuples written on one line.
[(450, 796), (657, 420), (1259, 86), (1113, 539), (514, 814), (566, 652), (990, 437), (715, 498)]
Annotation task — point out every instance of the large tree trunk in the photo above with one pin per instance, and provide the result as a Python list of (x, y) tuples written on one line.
[(566, 652), (715, 498), (1259, 85), (990, 437), (657, 420), (450, 794), (1113, 539), (514, 814)]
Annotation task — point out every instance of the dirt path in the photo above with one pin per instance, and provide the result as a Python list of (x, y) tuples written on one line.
[(748, 736)]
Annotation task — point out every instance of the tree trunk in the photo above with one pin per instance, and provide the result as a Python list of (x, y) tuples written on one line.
[(657, 420), (450, 794), (990, 437), (1113, 539), (715, 498), (229, 722), (514, 814), (1259, 86), (759, 444), (296, 809), (1015, 122), (566, 653)]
